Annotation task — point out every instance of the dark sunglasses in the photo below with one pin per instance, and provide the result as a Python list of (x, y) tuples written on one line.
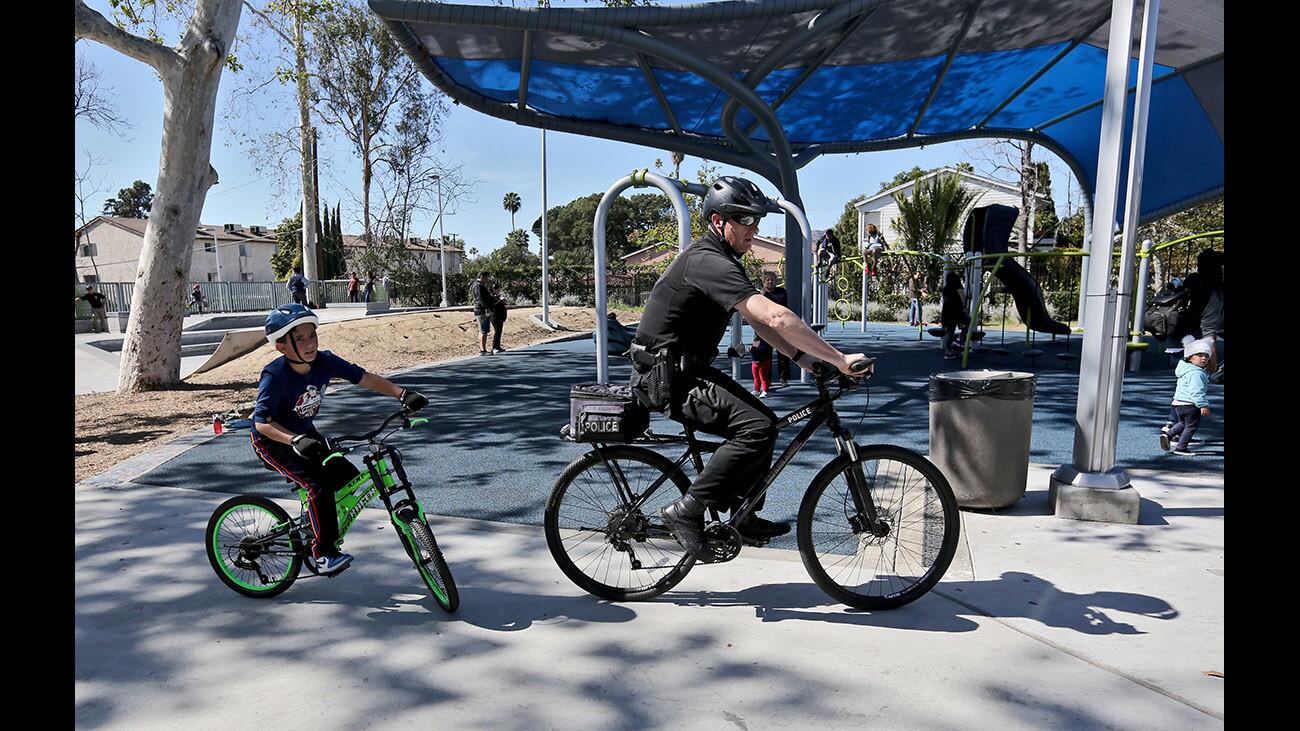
[(747, 219)]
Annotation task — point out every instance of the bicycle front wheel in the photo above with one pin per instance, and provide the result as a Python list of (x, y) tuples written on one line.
[(242, 550), (432, 566), (859, 567), (603, 525)]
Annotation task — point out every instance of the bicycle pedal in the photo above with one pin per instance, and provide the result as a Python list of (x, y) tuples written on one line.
[(756, 542)]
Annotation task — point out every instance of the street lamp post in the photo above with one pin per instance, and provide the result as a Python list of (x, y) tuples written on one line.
[(442, 241)]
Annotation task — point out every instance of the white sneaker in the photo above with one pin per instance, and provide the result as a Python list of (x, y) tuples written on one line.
[(763, 395)]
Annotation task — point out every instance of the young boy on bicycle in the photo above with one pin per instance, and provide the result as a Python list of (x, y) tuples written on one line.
[(288, 396)]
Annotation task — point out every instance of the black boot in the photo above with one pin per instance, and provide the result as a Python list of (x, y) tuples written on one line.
[(755, 528), (685, 518)]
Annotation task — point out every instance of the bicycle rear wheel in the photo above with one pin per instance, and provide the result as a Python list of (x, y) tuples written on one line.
[(428, 560), (608, 546), (863, 570), (241, 552)]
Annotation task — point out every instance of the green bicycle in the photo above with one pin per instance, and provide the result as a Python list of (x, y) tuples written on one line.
[(258, 550)]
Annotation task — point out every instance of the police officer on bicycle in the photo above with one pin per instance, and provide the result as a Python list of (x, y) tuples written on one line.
[(676, 343)]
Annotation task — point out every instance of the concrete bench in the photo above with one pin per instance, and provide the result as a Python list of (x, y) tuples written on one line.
[(368, 306)]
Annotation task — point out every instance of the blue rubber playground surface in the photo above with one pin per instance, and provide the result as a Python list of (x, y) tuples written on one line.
[(492, 450)]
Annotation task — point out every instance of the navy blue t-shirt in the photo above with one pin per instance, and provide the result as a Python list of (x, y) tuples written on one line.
[(290, 399)]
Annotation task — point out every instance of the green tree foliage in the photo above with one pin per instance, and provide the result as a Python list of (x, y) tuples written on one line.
[(365, 81), (511, 203), (932, 216), (846, 229), (1045, 218), (333, 261), (569, 227), (906, 176), (288, 246), (133, 202)]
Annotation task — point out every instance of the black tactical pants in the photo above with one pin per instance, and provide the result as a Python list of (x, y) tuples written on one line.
[(709, 401)]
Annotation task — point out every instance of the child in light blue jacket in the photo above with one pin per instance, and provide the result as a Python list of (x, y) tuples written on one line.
[(1190, 399)]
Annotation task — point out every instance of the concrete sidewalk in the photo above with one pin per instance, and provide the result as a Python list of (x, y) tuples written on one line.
[(1042, 623)]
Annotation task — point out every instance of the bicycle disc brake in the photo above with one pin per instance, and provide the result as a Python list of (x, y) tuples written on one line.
[(721, 544)]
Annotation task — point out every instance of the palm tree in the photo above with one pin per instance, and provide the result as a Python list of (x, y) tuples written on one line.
[(511, 203), (931, 217), (678, 157)]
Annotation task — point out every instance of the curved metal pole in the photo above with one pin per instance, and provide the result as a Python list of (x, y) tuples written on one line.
[(638, 178), (825, 22)]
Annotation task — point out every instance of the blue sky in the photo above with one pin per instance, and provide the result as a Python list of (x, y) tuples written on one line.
[(501, 156)]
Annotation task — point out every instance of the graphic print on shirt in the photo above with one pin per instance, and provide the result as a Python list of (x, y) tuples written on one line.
[(309, 403)]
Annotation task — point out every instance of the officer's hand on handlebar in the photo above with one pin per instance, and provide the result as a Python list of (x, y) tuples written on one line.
[(413, 400), (858, 365), (309, 448)]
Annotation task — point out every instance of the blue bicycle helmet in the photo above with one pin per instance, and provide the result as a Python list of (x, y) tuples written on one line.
[(285, 318)]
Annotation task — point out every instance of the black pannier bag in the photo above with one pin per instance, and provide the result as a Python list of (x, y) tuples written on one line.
[(601, 412)]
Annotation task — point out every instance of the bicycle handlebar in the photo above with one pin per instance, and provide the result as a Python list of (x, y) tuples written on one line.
[(407, 422)]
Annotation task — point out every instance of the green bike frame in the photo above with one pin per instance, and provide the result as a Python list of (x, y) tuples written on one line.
[(383, 477)]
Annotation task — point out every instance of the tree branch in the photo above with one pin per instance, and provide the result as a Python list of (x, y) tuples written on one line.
[(270, 23), (90, 24)]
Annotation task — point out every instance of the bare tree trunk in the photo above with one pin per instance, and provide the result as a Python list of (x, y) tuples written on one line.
[(310, 263), (1026, 201), (191, 75)]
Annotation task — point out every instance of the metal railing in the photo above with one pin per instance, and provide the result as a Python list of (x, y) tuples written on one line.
[(221, 296)]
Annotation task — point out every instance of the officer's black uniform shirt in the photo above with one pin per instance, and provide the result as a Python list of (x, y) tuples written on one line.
[(691, 304)]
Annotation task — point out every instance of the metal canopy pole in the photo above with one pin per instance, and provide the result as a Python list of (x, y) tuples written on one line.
[(546, 280), (1091, 487), (638, 178)]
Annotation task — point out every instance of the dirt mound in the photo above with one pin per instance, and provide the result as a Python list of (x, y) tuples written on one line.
[(112, 428)]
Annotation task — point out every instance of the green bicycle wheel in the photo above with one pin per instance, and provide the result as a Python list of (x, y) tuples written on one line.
[(427, 557), (241, 550)]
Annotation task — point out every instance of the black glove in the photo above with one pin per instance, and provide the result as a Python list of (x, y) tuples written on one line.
[(413, 400), (309, 448)]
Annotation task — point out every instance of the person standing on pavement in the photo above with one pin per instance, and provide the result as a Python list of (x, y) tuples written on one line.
[(96, 300), (196, 297), (916, 293), (353, 284), (688, 311), (499, 311), (484, 301), (779, 296), (369, 292), (1191, 399), (297, 286)]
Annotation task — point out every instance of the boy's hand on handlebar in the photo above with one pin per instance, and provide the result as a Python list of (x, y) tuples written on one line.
[(413, 400), (309, 448)]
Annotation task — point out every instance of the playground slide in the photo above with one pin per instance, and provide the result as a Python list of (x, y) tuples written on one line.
[(1029, 299)]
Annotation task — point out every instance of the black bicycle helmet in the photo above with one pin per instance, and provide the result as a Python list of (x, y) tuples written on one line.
[(732, 196)]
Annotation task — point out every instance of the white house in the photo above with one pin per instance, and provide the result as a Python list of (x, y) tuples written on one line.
[(108, 250), (424, 250), (882, 208)]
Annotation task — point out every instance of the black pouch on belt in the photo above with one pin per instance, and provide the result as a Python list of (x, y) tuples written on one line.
[(659, 369)]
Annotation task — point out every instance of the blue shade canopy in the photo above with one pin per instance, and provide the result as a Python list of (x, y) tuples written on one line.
[(827, 76)]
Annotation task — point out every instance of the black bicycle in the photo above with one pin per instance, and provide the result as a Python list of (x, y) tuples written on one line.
[(877, 528)]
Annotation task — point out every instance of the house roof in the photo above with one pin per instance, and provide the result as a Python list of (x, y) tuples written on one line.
[(986, 182), (351, 241), (204, 232)]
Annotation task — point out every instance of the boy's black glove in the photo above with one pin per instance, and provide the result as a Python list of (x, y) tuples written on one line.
[(413, 400), (309, 448)]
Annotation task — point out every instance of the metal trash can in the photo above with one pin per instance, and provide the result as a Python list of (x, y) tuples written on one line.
[(980, 422)]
